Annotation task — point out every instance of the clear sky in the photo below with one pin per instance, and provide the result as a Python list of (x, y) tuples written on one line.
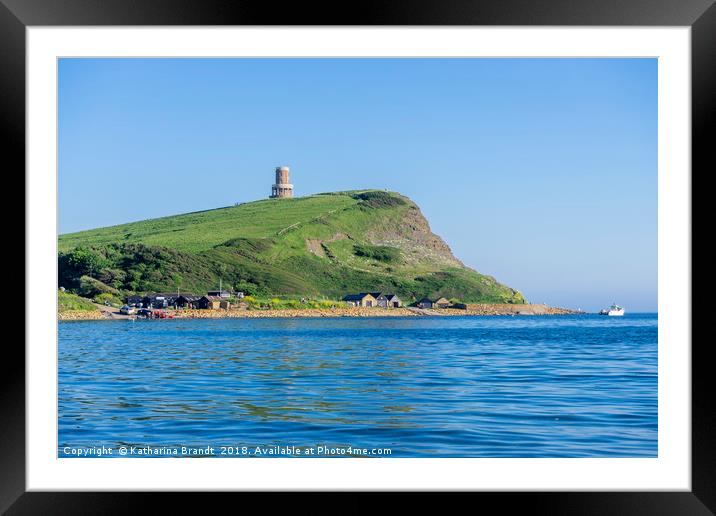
[(540, 172)]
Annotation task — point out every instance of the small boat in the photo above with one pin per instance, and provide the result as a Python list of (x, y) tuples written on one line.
[(614, 310)]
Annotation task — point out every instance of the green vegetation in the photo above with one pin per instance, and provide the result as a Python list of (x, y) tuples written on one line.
[(382, 253), (275, 303), (200, 231), (107, 298), (91, 287), (378, 199), (320, 247), (68, 302)]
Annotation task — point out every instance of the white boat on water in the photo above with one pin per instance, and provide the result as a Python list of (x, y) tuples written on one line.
[(614, 310)]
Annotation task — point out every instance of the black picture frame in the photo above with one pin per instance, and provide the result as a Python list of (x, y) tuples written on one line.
[(700, 15)]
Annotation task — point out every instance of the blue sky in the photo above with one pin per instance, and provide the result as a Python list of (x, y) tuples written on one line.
[(540, 172)]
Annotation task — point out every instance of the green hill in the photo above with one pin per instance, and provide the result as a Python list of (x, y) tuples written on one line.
[(324, 245)]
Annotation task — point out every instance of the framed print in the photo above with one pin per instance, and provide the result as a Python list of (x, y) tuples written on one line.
[(432, 250)]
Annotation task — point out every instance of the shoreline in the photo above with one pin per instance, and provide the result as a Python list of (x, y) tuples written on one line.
[(478, 310)]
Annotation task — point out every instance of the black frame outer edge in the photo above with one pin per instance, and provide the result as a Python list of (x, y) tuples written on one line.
[(15, 15), (703, 161), (12, 364)]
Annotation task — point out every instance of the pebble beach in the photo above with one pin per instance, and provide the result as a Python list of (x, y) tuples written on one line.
[(482, 309)]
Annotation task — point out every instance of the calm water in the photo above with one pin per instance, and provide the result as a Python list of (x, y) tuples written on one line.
[(561, 386)]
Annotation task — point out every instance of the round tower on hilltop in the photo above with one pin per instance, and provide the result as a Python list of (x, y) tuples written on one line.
[(282, 187)]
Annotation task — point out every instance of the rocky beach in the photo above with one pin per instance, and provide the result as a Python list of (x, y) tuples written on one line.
[(476, 310)]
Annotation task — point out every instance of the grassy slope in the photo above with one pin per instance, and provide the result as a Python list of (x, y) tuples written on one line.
[(199, 231), (266, 243), (67, 302)]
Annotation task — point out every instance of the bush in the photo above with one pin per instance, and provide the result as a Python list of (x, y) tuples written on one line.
[(249, 289), (248, 246), (378, 199), (90, 287), (110, 298), (254, 304), (327, 303), (86, 260), (381, 253), (112, 277)]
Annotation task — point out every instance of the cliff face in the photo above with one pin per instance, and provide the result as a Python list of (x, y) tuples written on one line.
[(413, 236), (321, 245)]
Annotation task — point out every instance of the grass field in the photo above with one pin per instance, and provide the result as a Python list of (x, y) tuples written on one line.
[(199, 231)]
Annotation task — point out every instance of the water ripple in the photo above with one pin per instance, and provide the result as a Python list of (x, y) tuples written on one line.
[(572, 386)]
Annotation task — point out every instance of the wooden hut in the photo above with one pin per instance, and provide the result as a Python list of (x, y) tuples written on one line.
[(219, 293), (362, 299), (426, 303), (186, 301), (388, 301), (209, 302), (442, 303), (393, 301)]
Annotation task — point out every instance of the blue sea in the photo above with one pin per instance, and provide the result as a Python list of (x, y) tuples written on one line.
[(523, 386)]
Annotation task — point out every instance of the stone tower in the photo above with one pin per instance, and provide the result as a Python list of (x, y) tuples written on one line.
[(281, 188)]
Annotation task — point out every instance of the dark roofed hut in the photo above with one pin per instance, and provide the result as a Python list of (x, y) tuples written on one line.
[(388, 300), (156, 300), (393, 301), (164, 299), (219, 293), (426, 303), (187, 301)]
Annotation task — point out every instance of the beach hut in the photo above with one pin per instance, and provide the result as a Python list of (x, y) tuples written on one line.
[(426, 303), (442, 303), (393, 301), (219, 293), (380, 299), (388, 300), (209, 302), (362, 299), (186, 301), (156, 300)]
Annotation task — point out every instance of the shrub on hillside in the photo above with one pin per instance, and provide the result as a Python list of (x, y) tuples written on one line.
[(135, 267), (112, 299), (112, 277), (249, 246), (91, 287), (381, 253), (81, 261), (378, 199), (249, 289)]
